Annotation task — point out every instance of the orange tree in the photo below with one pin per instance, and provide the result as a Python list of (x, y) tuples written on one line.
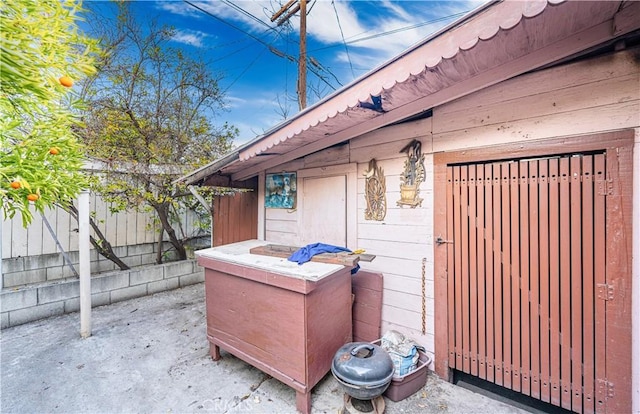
[(41, 55)]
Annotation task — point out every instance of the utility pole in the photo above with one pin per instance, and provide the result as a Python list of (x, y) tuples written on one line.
[(302, 61), (300, 5)]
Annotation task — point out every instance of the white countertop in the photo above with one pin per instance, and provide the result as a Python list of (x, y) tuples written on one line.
[(238, 253)]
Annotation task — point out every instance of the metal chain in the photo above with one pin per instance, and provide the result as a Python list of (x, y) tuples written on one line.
[(424, 297)]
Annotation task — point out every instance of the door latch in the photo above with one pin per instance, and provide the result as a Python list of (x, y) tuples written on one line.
[(440, 240)]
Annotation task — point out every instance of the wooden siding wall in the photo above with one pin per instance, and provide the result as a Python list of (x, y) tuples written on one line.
[(403, 239), (399, 243), (281, 225), (590, 96), (121, 229)]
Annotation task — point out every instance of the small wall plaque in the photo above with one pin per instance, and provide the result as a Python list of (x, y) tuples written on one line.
[(280, 190), (412, 176), (375, 190)]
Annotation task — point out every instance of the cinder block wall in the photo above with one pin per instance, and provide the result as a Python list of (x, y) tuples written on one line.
[(25, 270), (36, 301)]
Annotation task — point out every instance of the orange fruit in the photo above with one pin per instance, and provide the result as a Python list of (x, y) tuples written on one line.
[(15, 185), (33, 197), (54, 151), (66, 81)]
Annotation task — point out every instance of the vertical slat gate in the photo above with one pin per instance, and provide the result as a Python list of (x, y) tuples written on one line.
[(527, 261), (565, 287), (575, 183), (235, 218), (488, 271), (543, 226), (497, 275), (525, 287), (480, 274), (534, 280), (457, 216), (513, 275), (451, 303), (554, 280), (599, 266), (464, 270), (473, 275), (506, 274), (588, 297)]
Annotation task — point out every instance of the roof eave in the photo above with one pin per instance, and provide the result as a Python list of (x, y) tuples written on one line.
[(203, 173), (338, 118)]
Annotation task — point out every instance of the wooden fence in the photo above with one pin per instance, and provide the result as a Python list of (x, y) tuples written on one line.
[(121, 229)]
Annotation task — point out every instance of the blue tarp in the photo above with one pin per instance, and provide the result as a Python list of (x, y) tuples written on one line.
[(304, 254)]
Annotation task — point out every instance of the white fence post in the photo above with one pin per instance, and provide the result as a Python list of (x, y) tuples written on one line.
[(85, 264), (1, 239), (635, 274)]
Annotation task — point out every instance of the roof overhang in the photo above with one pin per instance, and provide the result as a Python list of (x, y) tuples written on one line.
[(495, 42)]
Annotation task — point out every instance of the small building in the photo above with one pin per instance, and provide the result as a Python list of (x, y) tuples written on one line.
[(494, 172)]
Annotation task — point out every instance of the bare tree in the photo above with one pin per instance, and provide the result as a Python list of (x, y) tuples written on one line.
[(149, 118)]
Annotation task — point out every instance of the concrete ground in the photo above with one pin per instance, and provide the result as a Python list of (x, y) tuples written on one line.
[(150, 355)]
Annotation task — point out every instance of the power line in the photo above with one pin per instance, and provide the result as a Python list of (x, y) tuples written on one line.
[(271, 48), (320, 66), (414, 26), (208, 13), (253, 62), (246, 13), (323, 79), (262, 42), (342, 35), (390, 32), (234, 52)]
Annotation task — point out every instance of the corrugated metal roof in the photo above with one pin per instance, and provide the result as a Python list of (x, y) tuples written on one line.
[(495, 42)]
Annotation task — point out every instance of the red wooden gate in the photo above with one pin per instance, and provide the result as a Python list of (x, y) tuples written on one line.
[(529, 271), (235, 218)]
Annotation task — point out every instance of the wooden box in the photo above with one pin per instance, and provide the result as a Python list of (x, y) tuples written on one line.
[(288, 326)]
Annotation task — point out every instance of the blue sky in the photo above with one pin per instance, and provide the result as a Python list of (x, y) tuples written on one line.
[(345, 40)]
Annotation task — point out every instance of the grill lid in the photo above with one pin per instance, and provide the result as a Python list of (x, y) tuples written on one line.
[(362, 364)]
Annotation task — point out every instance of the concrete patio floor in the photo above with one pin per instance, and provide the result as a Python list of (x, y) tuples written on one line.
[(150, 355)]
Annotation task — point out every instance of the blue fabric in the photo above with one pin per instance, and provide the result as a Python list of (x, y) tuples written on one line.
[(304, 254)]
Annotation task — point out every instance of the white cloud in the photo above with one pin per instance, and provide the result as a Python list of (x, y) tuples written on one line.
[(234, 101), (323, 23), (256, 11), (178, 7), (368, 36), (395, 10), (356, 21), (190, 37), (359, 59)]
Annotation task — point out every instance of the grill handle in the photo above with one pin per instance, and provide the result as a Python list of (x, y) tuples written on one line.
[(359, 348)]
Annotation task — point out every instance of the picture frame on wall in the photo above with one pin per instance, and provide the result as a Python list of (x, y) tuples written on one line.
[(280, 190)]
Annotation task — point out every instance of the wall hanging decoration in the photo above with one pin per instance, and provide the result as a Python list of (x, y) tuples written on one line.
[(280, 190), (375, 190), (412, 176)]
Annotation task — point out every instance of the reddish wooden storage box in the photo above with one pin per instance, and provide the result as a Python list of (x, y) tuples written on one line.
[(285, 320)]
